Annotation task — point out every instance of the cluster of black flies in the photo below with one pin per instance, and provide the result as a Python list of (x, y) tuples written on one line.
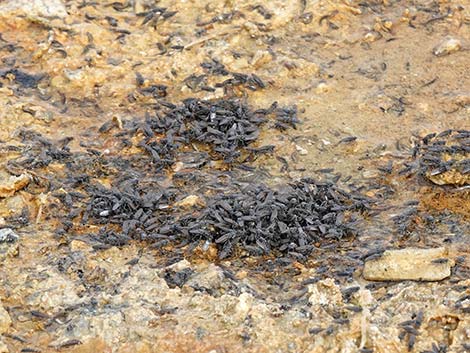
[(214, 68), (448, 150), (410, 329), (289, 219), (204, 138), (433, 155)]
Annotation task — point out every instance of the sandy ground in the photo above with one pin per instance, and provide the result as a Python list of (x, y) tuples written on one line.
[(385, 72)]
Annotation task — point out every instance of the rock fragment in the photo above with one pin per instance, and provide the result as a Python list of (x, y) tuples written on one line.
[(244, 305), (5, 320), (190, 201), (10, 186), (8, 235), (325, 293), (35, 8), (409, 264), (78, 245), (302, 151), (211, 278), (3, 347), (448, 46)]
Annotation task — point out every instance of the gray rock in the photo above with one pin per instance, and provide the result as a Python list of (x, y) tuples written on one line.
[(8, 235)]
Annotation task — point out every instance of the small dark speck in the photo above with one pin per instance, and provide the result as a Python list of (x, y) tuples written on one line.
[(366, 350), (341, 321), (315, 330), (200, 333), (353, 308), (133, 262), (348, 139), (69, 343), (245, 336), (330, 330)]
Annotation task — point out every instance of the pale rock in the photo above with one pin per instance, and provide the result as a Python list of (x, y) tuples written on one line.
[(178, 166), (365, 298), (409, 264), (372, 36), (301, 150), (53, 291), (109, 326), (283, 12), (3, 347), (325, 292), (190, 201), (212, 278), (138, 320), (12, 184), (78, 245), (322, 87), (180, 265), (448, 46), (142, 284), (366, 301), (74, 75), (35, 8), (261, 58), (244, 305), (370, 174), (5, 320)]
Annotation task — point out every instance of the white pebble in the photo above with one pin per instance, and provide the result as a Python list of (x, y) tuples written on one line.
[(448, 46), (7, 234), (301, 150)]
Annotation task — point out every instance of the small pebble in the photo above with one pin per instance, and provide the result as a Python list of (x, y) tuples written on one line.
[(8, 235), (301, 150), (448, 46)]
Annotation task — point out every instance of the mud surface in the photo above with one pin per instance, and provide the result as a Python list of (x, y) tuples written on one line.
[(369, 81)]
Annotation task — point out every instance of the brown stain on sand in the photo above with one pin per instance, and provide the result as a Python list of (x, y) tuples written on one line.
[(441, 200)]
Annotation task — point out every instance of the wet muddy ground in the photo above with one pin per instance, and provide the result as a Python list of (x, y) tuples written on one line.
[(88, 93)]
